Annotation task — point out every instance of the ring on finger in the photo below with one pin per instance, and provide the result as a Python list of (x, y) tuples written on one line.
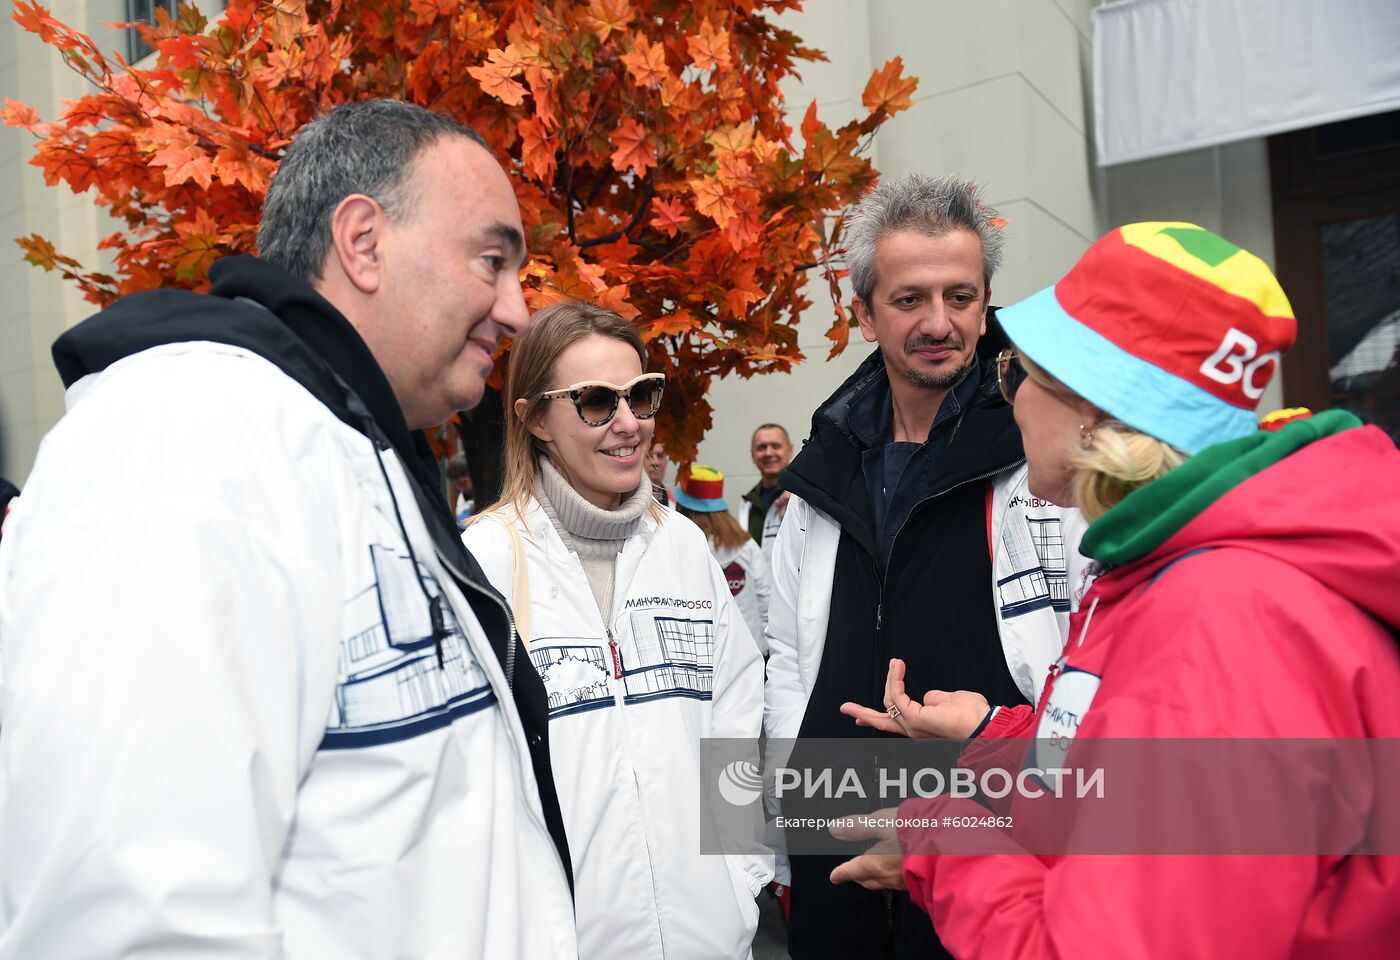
[(893, 711)]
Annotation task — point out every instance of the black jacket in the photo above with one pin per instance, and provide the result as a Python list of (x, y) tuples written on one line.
[(931, 605), (295, 328)]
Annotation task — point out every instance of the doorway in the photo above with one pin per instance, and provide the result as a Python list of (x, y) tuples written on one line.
[(1336, 205)]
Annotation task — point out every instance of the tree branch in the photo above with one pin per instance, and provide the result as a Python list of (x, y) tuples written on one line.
[(647, 194), (603, 178)]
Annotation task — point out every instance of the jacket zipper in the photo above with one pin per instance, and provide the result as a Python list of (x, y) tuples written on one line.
[(510, 669), (510, 617), (651, 865), (880, 606), (616, 660), (880, 598)]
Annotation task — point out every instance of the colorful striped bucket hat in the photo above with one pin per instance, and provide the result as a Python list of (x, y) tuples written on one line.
[(1164, 326), (701, 489)]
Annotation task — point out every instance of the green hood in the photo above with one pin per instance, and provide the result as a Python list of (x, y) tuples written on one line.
[(1150, 515)]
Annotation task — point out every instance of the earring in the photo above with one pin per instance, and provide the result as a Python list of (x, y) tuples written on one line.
[(1086, 437)]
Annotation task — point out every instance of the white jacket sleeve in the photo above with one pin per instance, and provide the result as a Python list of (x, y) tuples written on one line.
[(784, 699), (762, 591), (736, 709), (169, 642)]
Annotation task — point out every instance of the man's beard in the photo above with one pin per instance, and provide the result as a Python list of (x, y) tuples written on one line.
[(935, 381)]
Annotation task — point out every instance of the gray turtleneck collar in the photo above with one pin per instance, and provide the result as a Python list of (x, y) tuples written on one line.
[(594, 534)]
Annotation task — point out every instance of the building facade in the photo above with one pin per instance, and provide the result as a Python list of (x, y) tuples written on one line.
[(1005, 97)]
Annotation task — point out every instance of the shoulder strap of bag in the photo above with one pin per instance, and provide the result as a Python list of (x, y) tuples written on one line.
[(520, 578)]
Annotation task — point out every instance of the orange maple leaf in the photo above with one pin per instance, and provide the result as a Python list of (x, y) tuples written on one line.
[(425, 11), (633, 151), (839, 333), (38, 251), (668, 325), (709, 48), (670, 216), (471, 26), (36, 19), (17, 114), (288, 21), (646, 64), (501, 65), (736, 171), (182, 51), (827, 155), (680, 97), (735, 139), (743, 290), (543, 86), (537, 149), (618, 300), (743, 230), (183, 158), (810, 123), (888, 89), (591, 273), (236, 165), (605, 16), (523, 53), (715, 201), (194, 255)]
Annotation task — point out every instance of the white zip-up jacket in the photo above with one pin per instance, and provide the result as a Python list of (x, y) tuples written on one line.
[(772, 520), (746, 570), (804, 567), (630, 700), (225, 728)]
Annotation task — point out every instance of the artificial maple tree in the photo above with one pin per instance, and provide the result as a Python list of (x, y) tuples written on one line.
[(647, 141)]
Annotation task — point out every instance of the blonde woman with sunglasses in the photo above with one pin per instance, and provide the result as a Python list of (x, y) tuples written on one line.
[(622, 610)]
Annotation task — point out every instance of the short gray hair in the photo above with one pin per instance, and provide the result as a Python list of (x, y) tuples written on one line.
[(927, 205), (366, 147)]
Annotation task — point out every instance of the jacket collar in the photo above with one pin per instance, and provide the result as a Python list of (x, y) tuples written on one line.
[(755, 494), (827, 471), (262, 308), (323, 328), (539, 529)]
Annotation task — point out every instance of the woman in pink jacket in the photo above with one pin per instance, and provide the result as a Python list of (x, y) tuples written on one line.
[(1248, 587)]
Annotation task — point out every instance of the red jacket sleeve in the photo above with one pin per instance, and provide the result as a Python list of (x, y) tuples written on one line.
[(1212, 668)]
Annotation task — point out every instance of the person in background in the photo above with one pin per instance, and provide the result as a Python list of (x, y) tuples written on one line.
[(259, 701), (910, 532), (762, 508), (630, 625), (459, 489), (656, 472), (700, 496), (1246, 589), (8, 492)]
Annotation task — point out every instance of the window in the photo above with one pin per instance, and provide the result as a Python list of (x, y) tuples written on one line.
[(145, 11), (1336, 191)]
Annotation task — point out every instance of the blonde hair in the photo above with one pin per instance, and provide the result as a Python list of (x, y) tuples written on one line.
[(532, 359), (1117, 460), (722, 530)]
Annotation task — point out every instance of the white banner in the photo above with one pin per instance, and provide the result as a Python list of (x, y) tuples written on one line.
[(1176, 75)]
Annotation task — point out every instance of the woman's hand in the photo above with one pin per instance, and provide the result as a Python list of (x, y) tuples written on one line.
[(951, 716), (882, 866)]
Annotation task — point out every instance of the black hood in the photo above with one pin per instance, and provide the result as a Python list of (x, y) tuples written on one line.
[(827, 471), (262, 308)]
